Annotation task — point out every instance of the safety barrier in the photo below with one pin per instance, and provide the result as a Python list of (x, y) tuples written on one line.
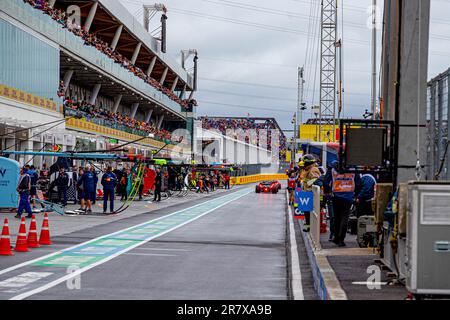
[(315, 217), (326, 283), (257, 178)]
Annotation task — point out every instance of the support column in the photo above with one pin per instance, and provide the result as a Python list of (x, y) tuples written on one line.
[(148, 116), (411, 104), (136, 53), (160, 120), (151, 66), (390, 58), (117, 103), (164, 75), (183, 92), (67, 77), (90, 17), (95, 92), (38, 160), (174, 84), (27, 146), (134, 108), (116, 38)]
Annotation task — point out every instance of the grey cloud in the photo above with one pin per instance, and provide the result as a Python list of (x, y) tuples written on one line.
[(228, 41)]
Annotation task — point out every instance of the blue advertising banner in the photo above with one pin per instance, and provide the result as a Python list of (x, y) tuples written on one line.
[(305, 200), (9, 179)]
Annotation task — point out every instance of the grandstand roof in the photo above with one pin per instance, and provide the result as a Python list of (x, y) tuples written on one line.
[(109, 16), (89, 76)]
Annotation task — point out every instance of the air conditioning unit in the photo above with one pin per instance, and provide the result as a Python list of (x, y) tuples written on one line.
[(428, 238)]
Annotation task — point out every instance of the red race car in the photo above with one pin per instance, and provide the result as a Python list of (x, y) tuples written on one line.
[(268, 187)]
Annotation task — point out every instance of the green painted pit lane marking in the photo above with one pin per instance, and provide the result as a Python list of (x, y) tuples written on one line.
[(65, 261), (132, 236), (106, 247), (145, 231), (113, 242)]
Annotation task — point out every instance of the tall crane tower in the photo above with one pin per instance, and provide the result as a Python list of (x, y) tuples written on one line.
[(328, 70)]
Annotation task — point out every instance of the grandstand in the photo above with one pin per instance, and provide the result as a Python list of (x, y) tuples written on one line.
[(261, 138), (106, 67)]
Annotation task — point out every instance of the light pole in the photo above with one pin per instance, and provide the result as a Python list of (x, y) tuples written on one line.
[(294, 139), (300, 103), (374, 59), (316, 111)]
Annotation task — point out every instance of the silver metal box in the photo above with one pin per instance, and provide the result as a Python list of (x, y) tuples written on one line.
[(428, 238)]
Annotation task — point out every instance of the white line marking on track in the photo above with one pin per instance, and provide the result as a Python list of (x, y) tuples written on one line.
[(150, 254), (163, 249), (80, 271), (369, 283), (24, 279), (297, 287)]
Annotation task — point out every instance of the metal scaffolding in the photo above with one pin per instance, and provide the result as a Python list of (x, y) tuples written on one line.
[(438, 126), (328, 69)]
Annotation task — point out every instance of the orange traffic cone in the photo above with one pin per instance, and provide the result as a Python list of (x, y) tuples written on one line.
[(5, 243), (44, 237), (32, 234), (21, 243)]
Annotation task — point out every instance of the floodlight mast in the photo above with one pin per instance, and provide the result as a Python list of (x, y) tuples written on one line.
[(185, 54), (149, 12)]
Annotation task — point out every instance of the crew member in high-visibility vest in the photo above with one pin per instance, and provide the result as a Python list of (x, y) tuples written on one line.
[(343, 187)]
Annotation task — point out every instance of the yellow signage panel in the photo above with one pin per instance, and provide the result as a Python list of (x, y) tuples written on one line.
[(310, 132), (27, 98)]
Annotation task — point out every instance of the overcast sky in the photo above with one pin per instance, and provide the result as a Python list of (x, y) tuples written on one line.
[(267, 53)]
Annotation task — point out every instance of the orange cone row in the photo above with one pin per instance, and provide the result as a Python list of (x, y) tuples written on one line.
[(23, 241)]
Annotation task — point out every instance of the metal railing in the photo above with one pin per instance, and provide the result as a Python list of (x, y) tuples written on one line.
[(314, 232), (438, 126)]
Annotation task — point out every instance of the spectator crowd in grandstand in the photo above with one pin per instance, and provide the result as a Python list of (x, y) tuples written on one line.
[(91, 40), (224, 124), (142, 128)]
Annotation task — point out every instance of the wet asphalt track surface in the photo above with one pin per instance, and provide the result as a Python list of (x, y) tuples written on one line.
[(237, 251)]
